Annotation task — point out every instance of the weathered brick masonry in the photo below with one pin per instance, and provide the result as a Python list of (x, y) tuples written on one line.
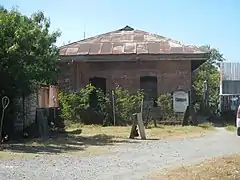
[(171, 75)]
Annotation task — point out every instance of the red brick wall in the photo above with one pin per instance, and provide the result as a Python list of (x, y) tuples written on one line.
[(172, 75)]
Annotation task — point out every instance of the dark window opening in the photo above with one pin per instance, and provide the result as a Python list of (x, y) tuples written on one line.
[(149, 86)]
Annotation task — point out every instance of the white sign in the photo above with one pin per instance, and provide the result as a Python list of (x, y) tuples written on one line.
[(180, 101)]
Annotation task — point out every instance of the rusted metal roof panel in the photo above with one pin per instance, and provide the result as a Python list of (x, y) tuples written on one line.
[(153, 47), (127, 41), (106, 48), (130, 48), (138, 38), (71, 51), (118, 48), (230, 71), (177, 49), (63, 51), (141, 48), (95, 48), (84, 49), (164, 47)]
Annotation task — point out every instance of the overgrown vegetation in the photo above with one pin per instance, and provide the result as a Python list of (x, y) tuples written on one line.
[(126, 104), (28, 55), (164, 101), (208, 72), (76, 106)]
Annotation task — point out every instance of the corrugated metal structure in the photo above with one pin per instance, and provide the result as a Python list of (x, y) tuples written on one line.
[(229, 86), (230, 78), (230, 71)]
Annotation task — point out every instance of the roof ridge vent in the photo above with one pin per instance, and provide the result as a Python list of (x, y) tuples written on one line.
[(126, 28)]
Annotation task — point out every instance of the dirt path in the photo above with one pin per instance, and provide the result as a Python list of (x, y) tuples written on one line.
[(131, 161)]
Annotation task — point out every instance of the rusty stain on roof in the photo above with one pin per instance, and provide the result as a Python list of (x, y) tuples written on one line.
[(127, 41)]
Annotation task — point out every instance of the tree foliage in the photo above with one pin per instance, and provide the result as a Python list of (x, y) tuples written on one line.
[(209, 71), (28, 53)]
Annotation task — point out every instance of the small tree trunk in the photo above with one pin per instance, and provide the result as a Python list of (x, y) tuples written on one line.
[(185, 118)]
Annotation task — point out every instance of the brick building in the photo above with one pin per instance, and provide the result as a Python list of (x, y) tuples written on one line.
[(131, 58)]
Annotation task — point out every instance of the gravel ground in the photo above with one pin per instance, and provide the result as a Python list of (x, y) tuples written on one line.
[(128, 162)]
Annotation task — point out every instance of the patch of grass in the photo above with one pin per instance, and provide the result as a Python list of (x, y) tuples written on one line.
[(231, 128), (225, 168), (12, 155), (75, 143), (165, 132), (160, 132), (206, 125), (96, 140), (70, 125)]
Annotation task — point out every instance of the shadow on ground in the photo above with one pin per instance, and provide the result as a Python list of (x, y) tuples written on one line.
[(63, 142), (223, 121)]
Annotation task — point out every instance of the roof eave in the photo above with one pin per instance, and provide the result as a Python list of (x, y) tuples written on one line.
[(132, 57)]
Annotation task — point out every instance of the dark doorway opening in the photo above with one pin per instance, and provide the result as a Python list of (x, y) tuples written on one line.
[(98, 83), (149, 86)]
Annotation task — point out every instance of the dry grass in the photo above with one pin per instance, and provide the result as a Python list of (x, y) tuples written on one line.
[(96, 140), (231, 128), (12, 155), (224, 168), (160, 132)]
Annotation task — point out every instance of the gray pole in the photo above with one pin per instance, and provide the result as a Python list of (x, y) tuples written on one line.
[(114, 113)]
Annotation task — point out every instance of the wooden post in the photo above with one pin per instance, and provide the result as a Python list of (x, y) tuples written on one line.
[(155, 122), (141, 126), (193, 117), (186, 116), (137, 121), (134, 126), (141, 110)]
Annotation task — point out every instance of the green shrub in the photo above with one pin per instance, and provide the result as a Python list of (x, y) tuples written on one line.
[(126, 104), (164, 101), (75, 105), (104, 107)]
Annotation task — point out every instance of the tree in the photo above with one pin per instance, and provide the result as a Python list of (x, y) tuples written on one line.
[(28, 53), (208, 72), (28, 56)]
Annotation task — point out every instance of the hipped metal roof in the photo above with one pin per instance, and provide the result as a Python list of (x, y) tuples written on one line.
[(127, 41)]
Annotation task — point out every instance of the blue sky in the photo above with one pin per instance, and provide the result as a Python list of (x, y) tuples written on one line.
[(198, 22)]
